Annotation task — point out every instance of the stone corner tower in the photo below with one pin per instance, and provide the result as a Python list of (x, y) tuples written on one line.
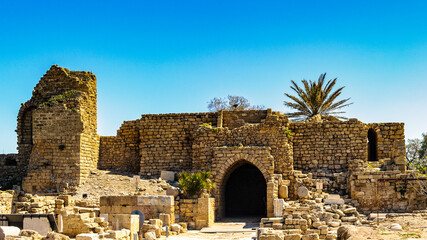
[(57, 131)]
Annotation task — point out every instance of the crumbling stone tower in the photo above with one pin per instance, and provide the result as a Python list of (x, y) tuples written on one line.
[(57, 131)]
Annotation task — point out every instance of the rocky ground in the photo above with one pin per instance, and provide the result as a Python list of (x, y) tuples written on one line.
[(108, 183)]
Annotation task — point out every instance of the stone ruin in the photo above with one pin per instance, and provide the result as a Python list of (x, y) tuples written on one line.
[(256, 156)]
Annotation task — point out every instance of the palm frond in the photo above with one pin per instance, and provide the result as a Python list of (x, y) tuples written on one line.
[(315, 98)]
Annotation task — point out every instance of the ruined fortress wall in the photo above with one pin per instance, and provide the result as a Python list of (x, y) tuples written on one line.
[(233, 119), (122, 152), (11, 170), (55, 157), (57, 130), (270, 132), (390, 141), (328, 144), (166, 141), (388, 191)]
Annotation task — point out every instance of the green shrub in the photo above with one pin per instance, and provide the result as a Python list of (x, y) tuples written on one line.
[(193, 184), (207, 125)]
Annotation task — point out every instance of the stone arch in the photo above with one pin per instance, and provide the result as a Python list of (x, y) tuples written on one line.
[(372, 145), (265, 167)]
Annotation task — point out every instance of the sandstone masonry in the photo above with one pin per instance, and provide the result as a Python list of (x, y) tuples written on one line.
[(58, 146)]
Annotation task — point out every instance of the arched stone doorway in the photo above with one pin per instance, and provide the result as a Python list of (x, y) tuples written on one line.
[(245, 192)]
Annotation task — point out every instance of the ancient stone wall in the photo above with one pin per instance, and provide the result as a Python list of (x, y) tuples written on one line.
[(271, 132), (57, 131), (11, 171), (233, 119), (166, 141), (390, 191), (151, 206), (122, 152), (328, 144), (390, 144)]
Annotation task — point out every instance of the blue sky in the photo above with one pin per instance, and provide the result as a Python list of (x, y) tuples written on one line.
[(174, 56)]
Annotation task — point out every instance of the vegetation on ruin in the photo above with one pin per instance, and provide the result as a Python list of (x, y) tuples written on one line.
[(60, 98), (232, 103), (416, 154), (316, 98), (288, 133), (194, 184), (209, 125)]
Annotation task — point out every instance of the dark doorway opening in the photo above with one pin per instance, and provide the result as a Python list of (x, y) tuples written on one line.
[(372, 145), (245, 192)]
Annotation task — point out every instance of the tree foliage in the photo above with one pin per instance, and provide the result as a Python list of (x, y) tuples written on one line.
[(193, 184), (316, 98), (416, 154), (232, 103)]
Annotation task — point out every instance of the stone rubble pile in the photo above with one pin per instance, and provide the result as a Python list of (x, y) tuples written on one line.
[(307, 218)]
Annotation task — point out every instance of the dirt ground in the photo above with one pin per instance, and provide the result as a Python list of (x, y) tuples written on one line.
[(107, 183)]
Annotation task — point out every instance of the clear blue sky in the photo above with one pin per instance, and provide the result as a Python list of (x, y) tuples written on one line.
[(174, 56)]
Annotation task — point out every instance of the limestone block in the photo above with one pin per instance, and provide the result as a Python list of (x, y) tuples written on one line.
[(31, 234), (40, 225), (176, 227), (166, 219), (172, 191), (283, 191), (272, 235), (278, 205), (313, 236), (116, 234), (167, 175), (150, 235), (8, 231), (56, 236), (350, 210), (293, 237), (87, 236)]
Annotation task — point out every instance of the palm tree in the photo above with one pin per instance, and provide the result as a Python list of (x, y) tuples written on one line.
[(315, 98)]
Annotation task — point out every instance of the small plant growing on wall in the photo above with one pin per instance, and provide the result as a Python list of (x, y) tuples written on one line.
[(193, 184)]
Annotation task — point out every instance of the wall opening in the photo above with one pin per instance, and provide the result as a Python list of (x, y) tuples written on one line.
[(11, 161), (245, 192), (27, 127), (372, 145)]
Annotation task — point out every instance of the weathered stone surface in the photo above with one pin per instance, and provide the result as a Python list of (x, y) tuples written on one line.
[(292, 236), (283, 191), (346, 232), (172, 191), (8, 231), (56, 236), (31, 234), (313, 236), (167, 175), (396, 227), (87, 236), (150, 235), (302, 192)]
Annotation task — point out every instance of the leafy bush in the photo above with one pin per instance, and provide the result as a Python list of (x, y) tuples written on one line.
[(207, 125), (193, 184)]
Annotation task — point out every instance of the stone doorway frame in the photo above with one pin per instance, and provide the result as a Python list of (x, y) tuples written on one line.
[(228, 159)]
